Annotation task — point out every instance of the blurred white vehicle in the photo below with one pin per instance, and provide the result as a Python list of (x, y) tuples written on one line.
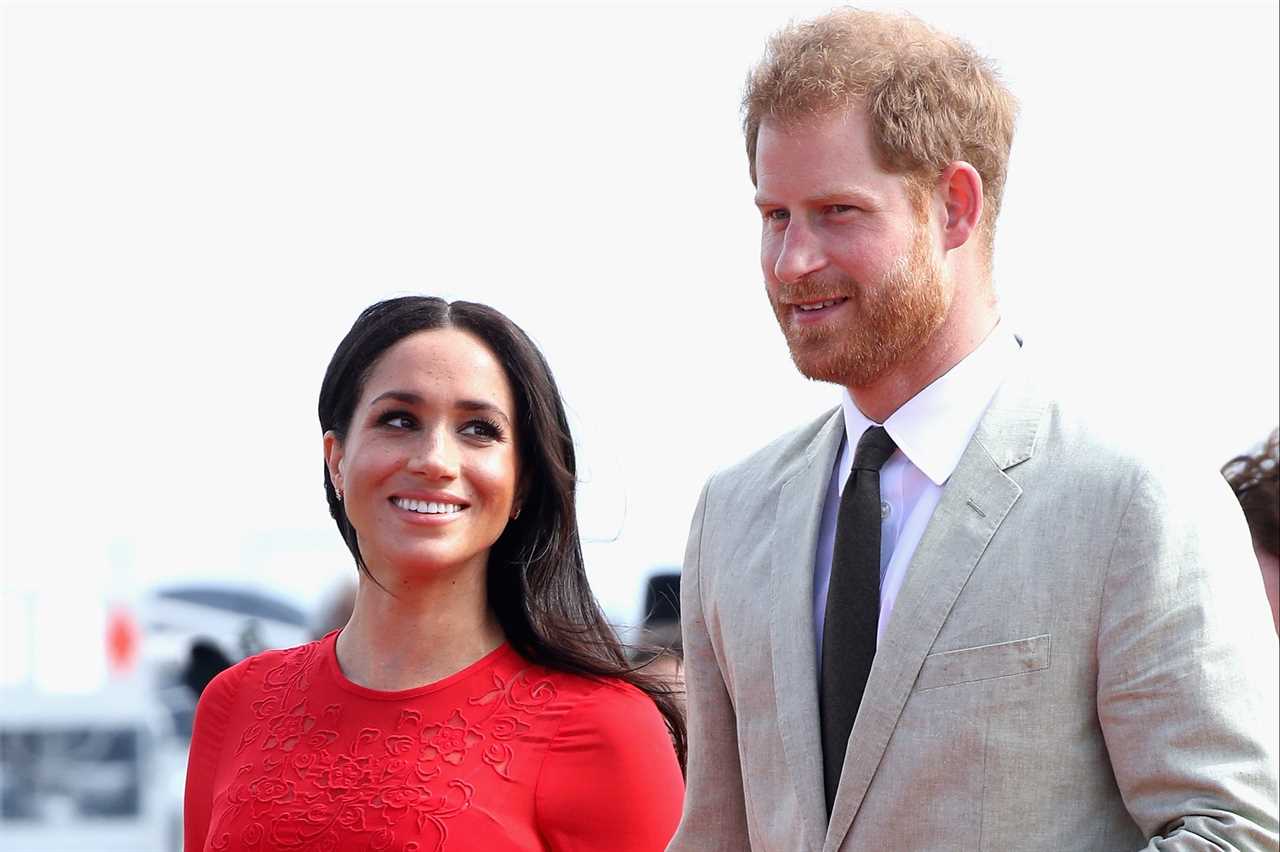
[(79, 772), (192, 632), (104, 771)]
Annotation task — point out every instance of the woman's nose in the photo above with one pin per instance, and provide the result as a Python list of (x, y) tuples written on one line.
[(435, 455)]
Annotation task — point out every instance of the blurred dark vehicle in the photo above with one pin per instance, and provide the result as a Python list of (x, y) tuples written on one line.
[(193, 632)]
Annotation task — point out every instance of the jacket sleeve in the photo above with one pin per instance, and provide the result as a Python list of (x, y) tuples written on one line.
[(1187, 671), (714, 817), (610, 779)]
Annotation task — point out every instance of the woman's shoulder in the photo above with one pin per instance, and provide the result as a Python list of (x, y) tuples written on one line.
[(604, 713), (259, 670), (611, 775), (578, 712), (586, 694), (611, 696)]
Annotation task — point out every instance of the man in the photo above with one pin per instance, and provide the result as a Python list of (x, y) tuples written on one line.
[(956, 612)]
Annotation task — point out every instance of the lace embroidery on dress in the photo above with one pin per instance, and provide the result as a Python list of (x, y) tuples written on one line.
[(308, 784)]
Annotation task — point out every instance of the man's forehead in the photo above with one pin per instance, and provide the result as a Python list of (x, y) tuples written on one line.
[(807, 117), (815, 144), (838, 128)]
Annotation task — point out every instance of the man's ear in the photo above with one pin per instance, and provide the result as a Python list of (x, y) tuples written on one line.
[(333, 459), (961, 189)]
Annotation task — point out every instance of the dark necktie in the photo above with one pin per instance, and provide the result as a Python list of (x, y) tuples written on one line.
[(853, 603)]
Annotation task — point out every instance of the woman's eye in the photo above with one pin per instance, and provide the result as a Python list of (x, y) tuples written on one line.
[(397, 420), (482, 429)]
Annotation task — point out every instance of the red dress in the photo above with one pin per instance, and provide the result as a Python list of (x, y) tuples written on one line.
[(504, 755)]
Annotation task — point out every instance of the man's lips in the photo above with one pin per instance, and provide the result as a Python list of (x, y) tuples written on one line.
[(813, 310), (818, 304)]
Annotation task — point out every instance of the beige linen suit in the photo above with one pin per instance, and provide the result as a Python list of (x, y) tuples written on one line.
[(1080, 657)]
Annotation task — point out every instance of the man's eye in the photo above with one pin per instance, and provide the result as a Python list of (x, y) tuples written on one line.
[(776, 215), (840, 208)]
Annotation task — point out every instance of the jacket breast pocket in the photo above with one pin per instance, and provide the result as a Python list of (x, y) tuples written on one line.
[(984, 662)]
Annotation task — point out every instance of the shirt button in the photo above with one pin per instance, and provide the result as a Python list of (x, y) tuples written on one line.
[(885, 510)]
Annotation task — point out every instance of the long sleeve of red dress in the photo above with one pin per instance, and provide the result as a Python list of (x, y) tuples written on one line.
[(608, 775), (504, 755)]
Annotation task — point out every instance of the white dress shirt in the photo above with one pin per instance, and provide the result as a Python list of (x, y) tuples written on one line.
[(931, 430)]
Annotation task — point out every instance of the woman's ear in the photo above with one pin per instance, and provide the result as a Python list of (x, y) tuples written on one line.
[(517, 501), (333, 460)]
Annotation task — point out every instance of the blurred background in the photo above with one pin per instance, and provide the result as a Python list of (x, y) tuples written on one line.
[(199, 199)]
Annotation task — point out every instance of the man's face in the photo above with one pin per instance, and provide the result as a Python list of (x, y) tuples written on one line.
[(852, 268)]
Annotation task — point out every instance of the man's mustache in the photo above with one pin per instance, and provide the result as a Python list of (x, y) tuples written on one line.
[(813, 288)]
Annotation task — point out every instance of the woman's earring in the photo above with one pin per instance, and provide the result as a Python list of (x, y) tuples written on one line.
[(338, 491), (516, 513)]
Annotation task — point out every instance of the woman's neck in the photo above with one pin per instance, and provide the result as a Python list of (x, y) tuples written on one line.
[(411, 634)]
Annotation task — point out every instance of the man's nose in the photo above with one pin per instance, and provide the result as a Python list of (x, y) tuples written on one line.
[(800, 253), (436, 455)]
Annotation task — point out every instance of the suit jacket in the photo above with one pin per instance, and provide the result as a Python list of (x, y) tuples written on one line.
[(1080, 657)]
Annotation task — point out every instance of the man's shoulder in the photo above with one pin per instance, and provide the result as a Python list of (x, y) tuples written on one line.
[(1090, 438), (778, 460)]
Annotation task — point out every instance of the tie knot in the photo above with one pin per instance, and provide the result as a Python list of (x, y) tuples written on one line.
[(874, 448)]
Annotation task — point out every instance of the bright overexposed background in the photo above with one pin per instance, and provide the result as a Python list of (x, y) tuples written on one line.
[(199, 199)]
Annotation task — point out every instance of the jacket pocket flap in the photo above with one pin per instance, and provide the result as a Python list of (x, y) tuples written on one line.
[(984, 662)]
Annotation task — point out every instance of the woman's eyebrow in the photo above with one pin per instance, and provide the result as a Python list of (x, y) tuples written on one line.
[(481, 405), (398, 395), (411, 398)]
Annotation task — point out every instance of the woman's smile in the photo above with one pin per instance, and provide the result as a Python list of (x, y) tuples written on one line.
[(429, 511)]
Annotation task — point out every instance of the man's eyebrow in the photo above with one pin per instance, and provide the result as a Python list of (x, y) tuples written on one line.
[(845, 193), (828, 196)]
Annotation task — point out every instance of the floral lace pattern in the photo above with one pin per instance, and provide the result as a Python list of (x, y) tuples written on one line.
[(307, 782)]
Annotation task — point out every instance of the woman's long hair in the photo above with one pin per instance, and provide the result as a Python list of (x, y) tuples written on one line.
[(537, 582)]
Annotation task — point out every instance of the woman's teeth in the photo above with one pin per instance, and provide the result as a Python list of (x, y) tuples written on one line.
[(424, 507)]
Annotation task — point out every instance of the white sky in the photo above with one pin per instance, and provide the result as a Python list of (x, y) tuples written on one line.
[(197, 202)]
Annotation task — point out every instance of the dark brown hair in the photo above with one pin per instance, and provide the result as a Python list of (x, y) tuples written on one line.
[(1255, 477), (537, 581)]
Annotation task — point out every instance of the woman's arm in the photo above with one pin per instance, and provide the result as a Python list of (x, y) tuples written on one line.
[(610, 779), (207, 737)]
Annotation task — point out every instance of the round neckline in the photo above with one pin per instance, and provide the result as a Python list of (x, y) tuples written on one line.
[(330, 644)]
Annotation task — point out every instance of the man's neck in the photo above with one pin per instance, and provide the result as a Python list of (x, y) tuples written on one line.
[(948, 347)]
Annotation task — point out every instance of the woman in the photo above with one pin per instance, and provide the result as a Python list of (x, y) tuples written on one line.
[(1255, 479), (476, 699)]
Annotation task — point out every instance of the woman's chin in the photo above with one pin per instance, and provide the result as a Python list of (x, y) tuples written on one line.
[(426, 564)]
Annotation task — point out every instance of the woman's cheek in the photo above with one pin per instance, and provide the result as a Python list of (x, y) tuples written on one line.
[(496, 476)]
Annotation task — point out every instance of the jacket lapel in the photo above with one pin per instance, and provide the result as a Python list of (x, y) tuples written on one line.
[(975, 501), (795, 669)]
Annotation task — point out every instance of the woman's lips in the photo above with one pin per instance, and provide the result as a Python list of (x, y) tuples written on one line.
[(438, 511)]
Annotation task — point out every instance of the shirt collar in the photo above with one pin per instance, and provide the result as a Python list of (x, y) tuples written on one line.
[(934, 426)]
